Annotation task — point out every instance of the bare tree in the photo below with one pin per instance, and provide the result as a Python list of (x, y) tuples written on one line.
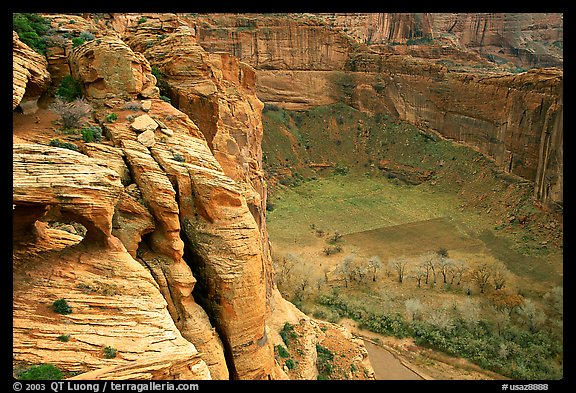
[(458, 271), (399, 264), (533, 315), (414, 308), (420, 272), (499, 275), (445, 266), (360, 271), (440, 318), (431, 262), (481, 275), (346, 269), (469, 310), (301, 288), (283, 268), (374, 263)]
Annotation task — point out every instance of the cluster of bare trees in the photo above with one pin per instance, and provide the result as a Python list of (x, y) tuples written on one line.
[(430, 269), (293, 277), (295, 280), (358, 270)]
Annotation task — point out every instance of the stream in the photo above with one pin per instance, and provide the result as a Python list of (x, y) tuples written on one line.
[(386, 366)]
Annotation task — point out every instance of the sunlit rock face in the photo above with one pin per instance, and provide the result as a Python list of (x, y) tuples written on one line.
[(30, 76)]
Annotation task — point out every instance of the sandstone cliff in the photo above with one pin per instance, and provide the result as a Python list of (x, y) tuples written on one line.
[(525, 39), (173, 273), (511, 118), (30, 76), (115, 302)]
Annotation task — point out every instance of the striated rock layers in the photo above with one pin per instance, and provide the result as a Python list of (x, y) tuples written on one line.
[(179, 218), (218, 93), (30, 76), (118, 317), (515, 119), (526, 39)]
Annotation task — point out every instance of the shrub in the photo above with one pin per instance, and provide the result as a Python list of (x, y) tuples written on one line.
[(31, 29), (77, 41), (86, 36), (42, 372), (290, 364), (61, 307), (133, 105), (69, 89), (329, 250), (282, 351), (111, 118), (74, 114), (91, 134), (64, 338), (142, 20), (110, 352), (341, 170), (324, 360), (270, 107), (65, 145), (287, 333), (179, 157)]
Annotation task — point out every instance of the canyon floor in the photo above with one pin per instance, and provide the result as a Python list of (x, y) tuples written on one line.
[(467, 208)]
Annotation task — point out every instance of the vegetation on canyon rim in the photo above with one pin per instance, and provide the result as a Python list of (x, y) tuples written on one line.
[(336, 231)]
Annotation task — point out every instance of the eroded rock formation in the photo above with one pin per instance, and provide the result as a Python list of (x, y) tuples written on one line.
[(218, 93), (115, 303), (172, 206), (109, 68), (30, 76), (174, 271)]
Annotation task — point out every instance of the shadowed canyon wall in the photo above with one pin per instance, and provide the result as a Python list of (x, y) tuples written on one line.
[(513, 118)]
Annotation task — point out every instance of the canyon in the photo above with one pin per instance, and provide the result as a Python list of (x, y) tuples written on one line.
[(172, 264), (442, 81)]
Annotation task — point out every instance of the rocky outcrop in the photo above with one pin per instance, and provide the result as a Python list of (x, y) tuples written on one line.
[(307, 334), (56, 178), (179, 366), (218, 93), (118, 318), (30, 76), (202, 223), (108, 68), (163, 250)]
